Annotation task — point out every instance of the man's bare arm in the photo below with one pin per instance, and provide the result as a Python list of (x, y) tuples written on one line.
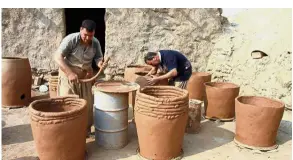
[(170, 74), (65, 68)]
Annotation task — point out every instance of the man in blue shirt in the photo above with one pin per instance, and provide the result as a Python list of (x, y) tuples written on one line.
[(176, 66)]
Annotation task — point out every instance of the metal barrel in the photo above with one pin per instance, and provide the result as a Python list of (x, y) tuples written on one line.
[(111, 119)]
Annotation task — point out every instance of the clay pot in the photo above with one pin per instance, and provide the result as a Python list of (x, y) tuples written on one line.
[(53, 84), (195, 85), (221, 100), (59, 127), (129, 73), (141, 79), (16, 82), (161, 114), (194, 116), (130, 76), (257, 121)]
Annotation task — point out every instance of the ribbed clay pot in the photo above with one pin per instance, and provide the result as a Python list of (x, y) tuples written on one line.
[(59, 128), (257, 121), (141, 79), (221, 100), (161, 118), (16, 82), (195, 85)]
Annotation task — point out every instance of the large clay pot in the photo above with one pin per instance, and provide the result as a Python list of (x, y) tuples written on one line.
[(16, 82), (257, 121), (59, 127), (221, 100), (195, 85), (161, 118)]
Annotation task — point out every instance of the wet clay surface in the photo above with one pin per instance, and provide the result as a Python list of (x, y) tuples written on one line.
[(116, 86), (257, 120), (214, 141), (129, 73), (16, 82), (221, 100)]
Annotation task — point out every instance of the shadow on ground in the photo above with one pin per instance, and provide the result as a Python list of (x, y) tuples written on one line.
[(16, 134), (97, 152), (284, 132), (210, 136)]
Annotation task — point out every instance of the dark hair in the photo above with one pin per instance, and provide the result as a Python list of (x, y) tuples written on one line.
[(89, 25), (149, 56)]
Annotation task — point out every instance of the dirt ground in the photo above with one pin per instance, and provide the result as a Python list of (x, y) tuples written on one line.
[(215, 141)]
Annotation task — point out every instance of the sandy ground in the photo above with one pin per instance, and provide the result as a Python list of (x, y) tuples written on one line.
[(215, 141)]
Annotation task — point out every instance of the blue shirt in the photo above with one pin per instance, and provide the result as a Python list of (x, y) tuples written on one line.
[(171, 59)]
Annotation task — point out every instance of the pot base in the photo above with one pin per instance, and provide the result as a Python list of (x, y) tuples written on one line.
[(140, 157), (221, 119), (263, 149)]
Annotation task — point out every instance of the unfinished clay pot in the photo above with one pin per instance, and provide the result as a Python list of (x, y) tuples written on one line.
[(221, 100), (194, 116), (195, 85), (130, 76), (129, 73), (16, 82), (59, 127), (257, 121), (161, 114), (141, 79)]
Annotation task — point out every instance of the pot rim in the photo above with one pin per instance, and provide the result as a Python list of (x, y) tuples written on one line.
[(39, 113), (184, 95), (9, 58), (281, 104), (132, 86), (207, 84), (136, 66)]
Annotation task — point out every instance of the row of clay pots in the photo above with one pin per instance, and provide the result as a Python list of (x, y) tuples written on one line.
[(257, 118)]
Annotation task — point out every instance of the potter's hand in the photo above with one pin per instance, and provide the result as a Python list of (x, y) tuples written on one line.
[(89, 74), (152, 80), (73, 78), (104, 65)]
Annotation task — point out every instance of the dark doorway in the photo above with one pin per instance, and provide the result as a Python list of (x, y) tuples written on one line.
[(75, 16)]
